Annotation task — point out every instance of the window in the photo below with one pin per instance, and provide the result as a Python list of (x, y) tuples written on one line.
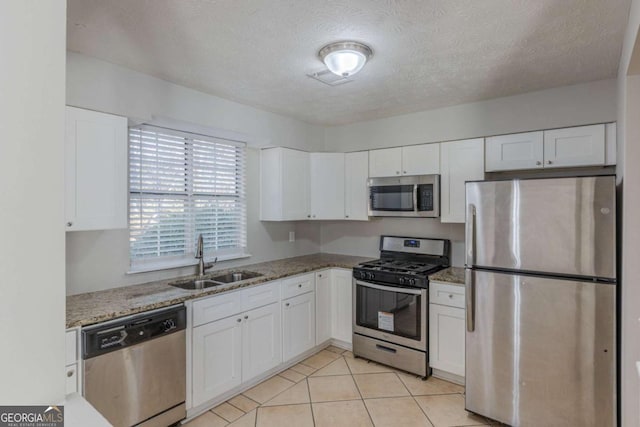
[(182, 185)]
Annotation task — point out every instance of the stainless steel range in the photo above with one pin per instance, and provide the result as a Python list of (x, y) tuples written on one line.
[(391, 300)]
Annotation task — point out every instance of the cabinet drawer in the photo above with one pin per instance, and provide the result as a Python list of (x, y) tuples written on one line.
[(216, 307), (298, 285), (445, 294), (71, 352), (260, 295)]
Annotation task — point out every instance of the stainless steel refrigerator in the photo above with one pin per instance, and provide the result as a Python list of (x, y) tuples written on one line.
[(541, 301)]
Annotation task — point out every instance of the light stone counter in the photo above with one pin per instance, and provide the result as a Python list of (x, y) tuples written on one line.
[(451, 275), (94, 307)]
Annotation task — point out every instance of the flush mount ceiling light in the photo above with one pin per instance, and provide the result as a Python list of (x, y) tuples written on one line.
[(345, 58)]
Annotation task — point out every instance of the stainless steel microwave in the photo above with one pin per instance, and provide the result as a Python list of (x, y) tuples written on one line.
[(406, 196)]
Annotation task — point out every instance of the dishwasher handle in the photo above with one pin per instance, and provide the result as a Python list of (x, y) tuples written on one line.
[(132, 330)]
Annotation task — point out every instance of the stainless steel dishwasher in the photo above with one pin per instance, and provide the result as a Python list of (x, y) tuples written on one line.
[(134, 368)]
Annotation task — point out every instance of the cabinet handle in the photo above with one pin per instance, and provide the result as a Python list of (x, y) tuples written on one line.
[(286, 305), (239, 320), (69, 224), (549, 162), (70, 373), (538, 163), (246, 317)]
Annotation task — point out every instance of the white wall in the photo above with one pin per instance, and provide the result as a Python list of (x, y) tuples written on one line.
[(32, 304), (565, 106), (629, 181), (99, 260)]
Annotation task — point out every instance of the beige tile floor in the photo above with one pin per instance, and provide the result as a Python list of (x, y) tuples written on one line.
[(332, 388)]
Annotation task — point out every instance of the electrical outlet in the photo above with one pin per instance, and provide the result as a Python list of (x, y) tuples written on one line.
[(292, 236)]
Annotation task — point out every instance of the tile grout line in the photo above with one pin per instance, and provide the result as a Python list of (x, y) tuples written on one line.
[(313, 418)]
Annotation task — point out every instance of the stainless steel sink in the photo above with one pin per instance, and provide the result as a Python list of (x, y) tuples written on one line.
[(235, 276), (196, 284)]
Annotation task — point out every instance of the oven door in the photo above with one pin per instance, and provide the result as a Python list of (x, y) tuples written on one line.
[(393, 314)]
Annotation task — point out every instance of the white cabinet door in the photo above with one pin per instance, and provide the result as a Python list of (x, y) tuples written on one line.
[(261, 340), (95, 170), (217, 358), (295, 185), (284, 184), (298, 325), (356, 196), (342, 305), (577, 146), (461, 161), (323, 306), (421, 159), (71, 374), (385, 162), (327, 185), (516, 151), (446, 338)]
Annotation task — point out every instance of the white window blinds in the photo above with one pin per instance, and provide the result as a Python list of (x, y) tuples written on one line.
[(182, 185)]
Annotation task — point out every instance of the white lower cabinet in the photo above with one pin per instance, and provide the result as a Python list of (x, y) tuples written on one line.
[(447, 328), (261, 341), (342, 305), (323, 306), (72, 362), (298, 325), (233, 350), (217, 358)]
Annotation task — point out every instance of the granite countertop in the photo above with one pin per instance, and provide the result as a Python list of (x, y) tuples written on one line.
[(452, 275), (94, 307)]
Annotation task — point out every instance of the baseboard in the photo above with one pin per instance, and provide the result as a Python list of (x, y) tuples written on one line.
[(341, 344), (202, 408), (447, 376)]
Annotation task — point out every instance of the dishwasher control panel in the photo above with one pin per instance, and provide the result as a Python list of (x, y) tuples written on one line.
[(131, 330)]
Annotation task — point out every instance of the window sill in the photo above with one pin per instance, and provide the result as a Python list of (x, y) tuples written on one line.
[(181, 264)]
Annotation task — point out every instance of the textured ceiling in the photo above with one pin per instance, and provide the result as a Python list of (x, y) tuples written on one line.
[(427, 53)]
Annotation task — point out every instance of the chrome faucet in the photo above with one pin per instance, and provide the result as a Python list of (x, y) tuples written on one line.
[(200, 256)]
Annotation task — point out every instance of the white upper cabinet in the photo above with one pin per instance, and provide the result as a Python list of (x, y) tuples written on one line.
[(385, 162), (327, 185), (95, 170), (516, 151), (421, 159), (284, 184), (578, 146), (461, 161), (410, 160), (593, 145), (355, 188)]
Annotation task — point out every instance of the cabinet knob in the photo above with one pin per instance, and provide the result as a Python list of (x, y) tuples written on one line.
[(286, 305), (319, 275), (404, 172), (246, 317), (70, 373), (346, 216), (308, 216), (69, 224), (538, 163), (239, 320), (549, 162), (314, 216), (450, 295)]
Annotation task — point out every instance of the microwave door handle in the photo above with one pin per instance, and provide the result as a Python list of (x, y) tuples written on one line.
[(415, 197)]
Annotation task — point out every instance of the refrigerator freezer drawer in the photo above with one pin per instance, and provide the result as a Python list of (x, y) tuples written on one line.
[(542, 351)]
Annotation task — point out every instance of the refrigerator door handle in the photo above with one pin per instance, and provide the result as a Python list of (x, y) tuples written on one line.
[(470, 299), (470, 235)]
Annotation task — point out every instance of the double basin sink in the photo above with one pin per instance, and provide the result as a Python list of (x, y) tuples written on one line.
[(220, 280)]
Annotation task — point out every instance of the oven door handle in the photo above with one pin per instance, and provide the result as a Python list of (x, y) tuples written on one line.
[(389, 289)]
